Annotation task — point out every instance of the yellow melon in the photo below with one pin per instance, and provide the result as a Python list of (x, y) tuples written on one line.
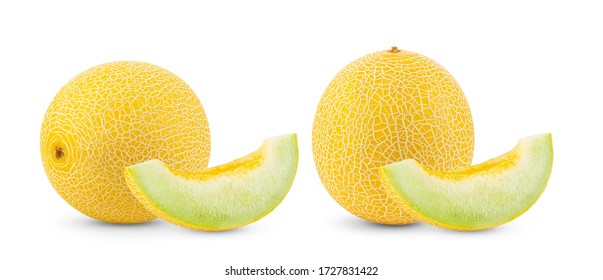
[(383, 108), (112, 116)]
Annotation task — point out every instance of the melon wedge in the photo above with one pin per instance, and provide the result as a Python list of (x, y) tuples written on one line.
[(480, 196), (222, 197)]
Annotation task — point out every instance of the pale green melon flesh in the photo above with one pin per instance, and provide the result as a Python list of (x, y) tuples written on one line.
[(477, 197), (222, 197)]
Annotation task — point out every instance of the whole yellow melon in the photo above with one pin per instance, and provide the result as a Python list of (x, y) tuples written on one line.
[(383, 108), (114, 115)]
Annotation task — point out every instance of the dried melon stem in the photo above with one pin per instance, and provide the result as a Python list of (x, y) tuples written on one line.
[(58, 152)]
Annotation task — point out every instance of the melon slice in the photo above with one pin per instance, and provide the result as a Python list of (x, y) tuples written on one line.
[(480, 196), (222, 197)]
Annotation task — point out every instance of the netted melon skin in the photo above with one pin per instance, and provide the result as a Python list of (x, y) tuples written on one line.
[(114, 115), (383, 108)]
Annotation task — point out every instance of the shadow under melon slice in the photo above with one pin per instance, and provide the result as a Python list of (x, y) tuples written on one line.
[(480, 196), (222, 197)]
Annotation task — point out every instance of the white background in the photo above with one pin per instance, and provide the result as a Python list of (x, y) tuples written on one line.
[(260, 68)]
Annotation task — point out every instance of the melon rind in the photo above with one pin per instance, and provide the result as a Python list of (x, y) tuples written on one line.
[(222, 197), (478, 197), (383, 108), (114, 115)]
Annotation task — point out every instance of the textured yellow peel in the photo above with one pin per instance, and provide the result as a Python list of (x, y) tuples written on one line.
[(383, 108), (112, 116)]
